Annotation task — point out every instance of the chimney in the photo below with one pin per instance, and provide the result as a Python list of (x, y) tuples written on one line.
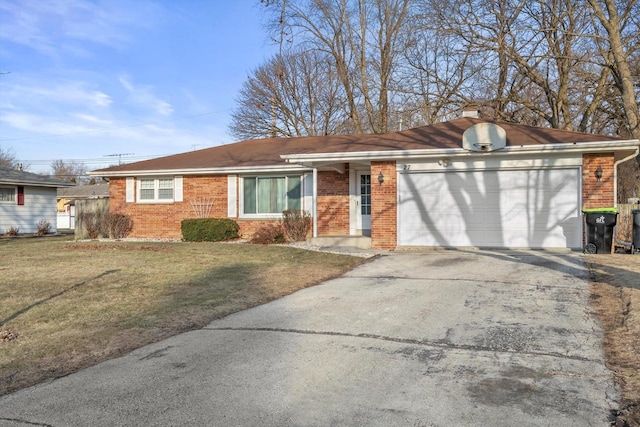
[(471, 112)]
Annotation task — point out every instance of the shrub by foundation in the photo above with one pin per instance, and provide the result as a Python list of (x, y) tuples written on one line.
[(44, 227), (93, 223), (296, 224), (269, 234), (12, 231), (209, 229), (119, 225)]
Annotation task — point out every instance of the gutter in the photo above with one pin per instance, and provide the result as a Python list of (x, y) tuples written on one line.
[(201, 171), (575, 147)]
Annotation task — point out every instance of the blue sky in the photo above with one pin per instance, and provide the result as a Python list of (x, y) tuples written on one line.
[(85, 80)]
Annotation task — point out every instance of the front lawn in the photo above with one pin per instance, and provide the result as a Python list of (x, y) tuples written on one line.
[(65, 305)]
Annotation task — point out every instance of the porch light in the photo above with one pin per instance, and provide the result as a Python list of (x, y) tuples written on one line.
[(598, 173), (380, 178)]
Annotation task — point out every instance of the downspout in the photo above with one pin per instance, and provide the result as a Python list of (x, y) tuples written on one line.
[(615, 194), (315, 202)]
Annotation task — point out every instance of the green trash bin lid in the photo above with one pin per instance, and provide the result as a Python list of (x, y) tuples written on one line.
[(603, 210)]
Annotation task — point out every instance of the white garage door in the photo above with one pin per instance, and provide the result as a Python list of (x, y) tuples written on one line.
[(515, 208)]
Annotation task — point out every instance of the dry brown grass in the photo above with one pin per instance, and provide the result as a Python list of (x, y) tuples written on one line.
[(615, 297), (66, 305)]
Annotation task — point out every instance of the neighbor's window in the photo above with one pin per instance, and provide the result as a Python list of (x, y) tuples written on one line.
[(7, 194), (271, 194), (155, 189)]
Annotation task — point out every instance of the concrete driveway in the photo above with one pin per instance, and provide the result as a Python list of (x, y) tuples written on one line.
[(443, 338)]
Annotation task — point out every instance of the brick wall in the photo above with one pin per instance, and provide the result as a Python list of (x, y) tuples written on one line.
[(384, 226), (163, 219), (597, 194), (333, 203)]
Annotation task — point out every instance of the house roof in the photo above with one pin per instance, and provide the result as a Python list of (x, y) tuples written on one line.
[(12, 176), (95, 191), (258, 153)]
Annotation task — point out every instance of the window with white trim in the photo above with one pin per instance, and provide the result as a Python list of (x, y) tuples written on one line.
[(270, 195), (155, 190), (7, 194)]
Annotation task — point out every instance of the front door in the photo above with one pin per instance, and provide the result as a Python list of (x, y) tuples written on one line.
[(363, 195)]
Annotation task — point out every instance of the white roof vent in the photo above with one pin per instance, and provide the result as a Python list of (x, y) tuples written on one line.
[(484, 137)]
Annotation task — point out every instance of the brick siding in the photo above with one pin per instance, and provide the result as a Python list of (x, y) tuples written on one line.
[(384, 217), (163, 219), (333, 203), (597, 194)]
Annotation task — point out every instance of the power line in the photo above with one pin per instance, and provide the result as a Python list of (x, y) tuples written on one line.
[(82, 132), (99, 160)]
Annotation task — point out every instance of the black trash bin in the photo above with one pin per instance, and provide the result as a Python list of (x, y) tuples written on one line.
[(600, 224), (636, 230)]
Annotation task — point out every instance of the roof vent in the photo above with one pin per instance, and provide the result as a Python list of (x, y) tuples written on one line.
[(484, 137)]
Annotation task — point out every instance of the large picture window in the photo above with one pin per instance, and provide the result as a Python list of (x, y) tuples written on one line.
[(155, 189), (7, 194), (271, 194)]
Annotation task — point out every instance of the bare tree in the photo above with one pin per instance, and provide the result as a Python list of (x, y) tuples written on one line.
[(361, 37), (8, 158), (75, 172), (297, 94), (622, 40), (568, 64)]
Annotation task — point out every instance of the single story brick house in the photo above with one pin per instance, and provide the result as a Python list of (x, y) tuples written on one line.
[(27, 198), (466, 182)]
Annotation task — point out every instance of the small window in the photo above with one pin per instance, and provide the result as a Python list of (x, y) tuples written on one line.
[(270, 195), (155, 190), (7, 194)]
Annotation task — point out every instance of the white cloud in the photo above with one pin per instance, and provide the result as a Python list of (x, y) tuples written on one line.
[(143, 96), (42, 124), (53, 27), (42, 92)]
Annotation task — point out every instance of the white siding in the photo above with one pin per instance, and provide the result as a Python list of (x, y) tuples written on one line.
[(39, 204)]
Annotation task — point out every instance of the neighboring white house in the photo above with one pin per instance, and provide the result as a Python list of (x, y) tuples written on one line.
[(26, 199)]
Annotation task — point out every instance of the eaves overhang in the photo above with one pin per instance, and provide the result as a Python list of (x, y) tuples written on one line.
[(202, 171), (36, 184), (309, 160)]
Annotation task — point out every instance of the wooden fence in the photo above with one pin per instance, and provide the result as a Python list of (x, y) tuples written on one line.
[(625, 221), (99, 207)]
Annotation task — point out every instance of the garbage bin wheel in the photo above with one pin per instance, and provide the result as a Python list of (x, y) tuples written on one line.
[(591, 248)]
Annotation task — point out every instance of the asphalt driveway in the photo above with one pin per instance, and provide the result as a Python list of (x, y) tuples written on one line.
[(443, 338)]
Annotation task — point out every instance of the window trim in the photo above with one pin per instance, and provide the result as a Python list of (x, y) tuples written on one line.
[(15, 195), (156, 190), (243, 215)]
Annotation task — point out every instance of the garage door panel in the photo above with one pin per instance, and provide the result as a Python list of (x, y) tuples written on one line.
[(490, 208)]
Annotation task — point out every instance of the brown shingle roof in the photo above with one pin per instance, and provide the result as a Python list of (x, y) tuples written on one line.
[(267, 152)]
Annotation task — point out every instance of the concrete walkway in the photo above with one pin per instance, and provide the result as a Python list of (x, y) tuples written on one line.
[(444, 338)]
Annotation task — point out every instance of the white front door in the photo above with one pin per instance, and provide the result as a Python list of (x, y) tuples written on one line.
[(363, 200)]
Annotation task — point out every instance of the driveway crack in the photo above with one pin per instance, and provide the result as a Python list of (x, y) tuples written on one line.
[(427, 343), (25, 422)]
